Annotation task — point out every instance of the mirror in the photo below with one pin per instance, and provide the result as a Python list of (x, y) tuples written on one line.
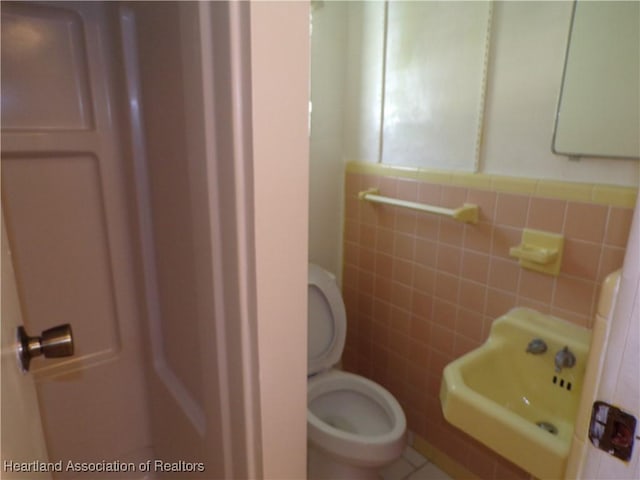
[(434, 84), (599, 107)]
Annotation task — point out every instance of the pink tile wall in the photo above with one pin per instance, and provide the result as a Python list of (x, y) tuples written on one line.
[(422, 290)]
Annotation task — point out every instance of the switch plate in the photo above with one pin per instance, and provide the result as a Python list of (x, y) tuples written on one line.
[(612, 430)]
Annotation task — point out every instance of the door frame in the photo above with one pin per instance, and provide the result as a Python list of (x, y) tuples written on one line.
[(265, 167)]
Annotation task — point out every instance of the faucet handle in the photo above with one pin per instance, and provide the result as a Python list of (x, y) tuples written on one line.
[(564, 359), (537, 346)]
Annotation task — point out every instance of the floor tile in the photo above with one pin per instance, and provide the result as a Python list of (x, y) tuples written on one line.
[(413, 457), (429, 472), (398, 470)]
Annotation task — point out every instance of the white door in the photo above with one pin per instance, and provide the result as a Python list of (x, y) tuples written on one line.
[(64, 200), (119, 211), (22, 437)]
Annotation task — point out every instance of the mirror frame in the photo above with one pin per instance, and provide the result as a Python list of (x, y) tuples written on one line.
[(561, 96)]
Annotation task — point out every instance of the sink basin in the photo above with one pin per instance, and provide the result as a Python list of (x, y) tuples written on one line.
[(515, 402)]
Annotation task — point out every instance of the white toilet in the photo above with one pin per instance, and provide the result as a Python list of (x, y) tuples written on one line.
[(354, 425)]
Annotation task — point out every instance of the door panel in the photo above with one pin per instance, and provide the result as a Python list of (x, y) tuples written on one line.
[(59, 229), (41, 94), (65, 204)]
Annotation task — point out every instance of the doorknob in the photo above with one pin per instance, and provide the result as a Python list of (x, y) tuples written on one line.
[(54, 342)]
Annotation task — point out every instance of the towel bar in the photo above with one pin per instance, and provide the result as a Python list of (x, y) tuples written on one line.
[(468, 213)]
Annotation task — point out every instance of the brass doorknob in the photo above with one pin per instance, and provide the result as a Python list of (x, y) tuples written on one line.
[(53, 343)]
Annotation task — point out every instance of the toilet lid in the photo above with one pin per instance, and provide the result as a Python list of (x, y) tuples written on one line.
[(327, 321)]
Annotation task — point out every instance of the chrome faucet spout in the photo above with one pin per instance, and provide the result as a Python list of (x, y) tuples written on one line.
[(537, 346), (564, 359)]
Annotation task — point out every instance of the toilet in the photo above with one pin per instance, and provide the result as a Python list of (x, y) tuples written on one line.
[(354, 425)]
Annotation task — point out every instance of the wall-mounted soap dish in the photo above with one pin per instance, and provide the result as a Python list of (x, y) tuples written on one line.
[(539, 251)]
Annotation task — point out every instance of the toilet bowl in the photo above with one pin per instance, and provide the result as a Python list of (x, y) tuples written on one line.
[(354, 425)]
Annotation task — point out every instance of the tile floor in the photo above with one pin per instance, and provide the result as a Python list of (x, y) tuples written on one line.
[(413, 466)]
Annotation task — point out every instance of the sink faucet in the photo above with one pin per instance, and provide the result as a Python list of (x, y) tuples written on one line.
[(564, 359), (537, 346)]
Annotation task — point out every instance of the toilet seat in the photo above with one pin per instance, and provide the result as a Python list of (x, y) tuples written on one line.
[(327, 321)]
